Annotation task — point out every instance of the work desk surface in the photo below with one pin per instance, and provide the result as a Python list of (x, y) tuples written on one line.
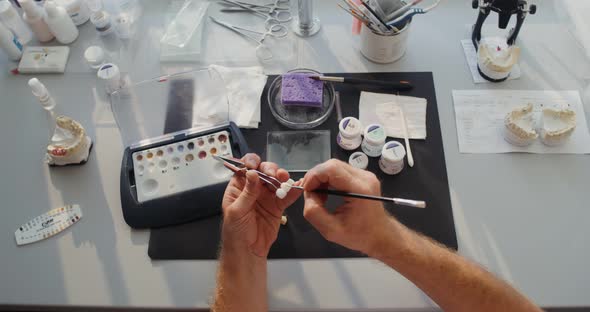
[(522, 216)]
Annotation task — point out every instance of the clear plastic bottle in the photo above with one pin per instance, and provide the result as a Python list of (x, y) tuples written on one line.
[(60, 23), (10, 44), (374, 140), (11, 19), (350, 133), (34, 16)]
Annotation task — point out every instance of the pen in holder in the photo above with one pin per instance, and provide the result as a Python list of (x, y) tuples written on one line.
[(383, 48)]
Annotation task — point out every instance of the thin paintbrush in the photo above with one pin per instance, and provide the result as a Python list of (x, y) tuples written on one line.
[(376, 16), (398, 201), (398, 86)]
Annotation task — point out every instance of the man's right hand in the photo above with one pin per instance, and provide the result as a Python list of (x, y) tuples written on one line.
[(358, 224)]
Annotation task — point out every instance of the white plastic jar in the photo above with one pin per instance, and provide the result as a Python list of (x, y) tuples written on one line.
[(77, 10), (350, 134), (359, 160), (373, 140), (392, 158)]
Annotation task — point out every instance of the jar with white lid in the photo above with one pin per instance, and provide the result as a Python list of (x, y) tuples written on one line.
[(350, 133), (359, 160), (392, 158), (374, 139)]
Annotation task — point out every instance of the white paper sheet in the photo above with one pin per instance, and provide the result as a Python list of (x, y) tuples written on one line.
[(384, 109), (480, 120), (471, 57)]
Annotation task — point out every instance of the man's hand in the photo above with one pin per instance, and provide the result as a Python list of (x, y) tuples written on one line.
[(358, 224), (251, 211)]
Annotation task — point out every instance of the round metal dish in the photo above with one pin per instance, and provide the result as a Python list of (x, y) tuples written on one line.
[(300, 117)]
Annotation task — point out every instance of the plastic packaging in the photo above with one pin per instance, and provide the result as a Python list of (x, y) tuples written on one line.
[(350, 135), (34, 16), (183, 26), (392, 158), (374, 140), (359, 160), (77, 10), (10, 44), (11, 19), (60, 23)]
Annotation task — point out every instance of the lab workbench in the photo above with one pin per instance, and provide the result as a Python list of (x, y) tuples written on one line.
[(522, 216)]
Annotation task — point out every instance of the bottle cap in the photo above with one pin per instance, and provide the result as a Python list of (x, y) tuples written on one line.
[(38, 88), (359, 160), (375, 134), (350, 127), (111, 75), (94, 56), (393, 152), (51, 9), (31, 9)]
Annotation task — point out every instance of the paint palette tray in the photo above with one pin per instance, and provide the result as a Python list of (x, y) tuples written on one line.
[(172, 125), (181, 166)]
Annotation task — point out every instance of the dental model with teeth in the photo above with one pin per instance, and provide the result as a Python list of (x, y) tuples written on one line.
[(69, 144), (495, 58), (557, 125), (519, 126)]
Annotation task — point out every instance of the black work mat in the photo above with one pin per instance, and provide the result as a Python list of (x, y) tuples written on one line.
[(298, 239)]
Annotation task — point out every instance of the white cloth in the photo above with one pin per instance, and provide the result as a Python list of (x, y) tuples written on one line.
[(384, 109), (244, 86)]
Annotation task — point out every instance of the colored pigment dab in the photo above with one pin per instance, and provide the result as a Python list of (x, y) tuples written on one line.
[(300, 90)]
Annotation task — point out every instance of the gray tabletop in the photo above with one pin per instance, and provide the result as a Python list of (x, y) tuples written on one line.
[(522, 216)]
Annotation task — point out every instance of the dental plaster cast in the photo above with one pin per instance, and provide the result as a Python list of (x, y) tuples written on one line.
[(557, 125), (495, 58), (519, 126), (69, 144)]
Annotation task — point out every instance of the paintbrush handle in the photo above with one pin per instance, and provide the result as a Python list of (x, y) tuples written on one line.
[(399, 201), (398, 86)]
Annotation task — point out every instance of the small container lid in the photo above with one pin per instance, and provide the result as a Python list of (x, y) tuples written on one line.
[(359, 160), (375, 134), (7, 10), (101, 20), (393, 151), (109, 71), (94, 55), (350, 127)]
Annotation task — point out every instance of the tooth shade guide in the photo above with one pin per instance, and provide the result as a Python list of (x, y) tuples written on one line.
[(188, 166)]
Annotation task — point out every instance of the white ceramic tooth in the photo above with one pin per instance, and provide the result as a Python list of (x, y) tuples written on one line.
[(281, 193), (283, 220), (519, 126), (286, 186), (557, 125), (495, 58), (69, 143), (291, 182)]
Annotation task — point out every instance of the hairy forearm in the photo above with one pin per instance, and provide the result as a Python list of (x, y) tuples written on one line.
[(241, 281), (454, 283)]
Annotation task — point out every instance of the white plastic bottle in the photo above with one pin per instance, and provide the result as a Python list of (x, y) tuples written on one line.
[(60, 23), (374, 140), (12, 20), (34, 16), (350, 135), (42, 94), (10, 44), (77, 9)]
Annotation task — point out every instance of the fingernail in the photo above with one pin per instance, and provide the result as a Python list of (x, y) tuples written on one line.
[(251, 163)]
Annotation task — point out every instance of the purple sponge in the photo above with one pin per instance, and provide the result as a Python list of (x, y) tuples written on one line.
[(299, 89)]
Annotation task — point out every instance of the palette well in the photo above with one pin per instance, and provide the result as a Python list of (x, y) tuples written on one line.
[(181, 166)]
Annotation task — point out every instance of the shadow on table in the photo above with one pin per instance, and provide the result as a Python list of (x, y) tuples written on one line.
[(83, 185)]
